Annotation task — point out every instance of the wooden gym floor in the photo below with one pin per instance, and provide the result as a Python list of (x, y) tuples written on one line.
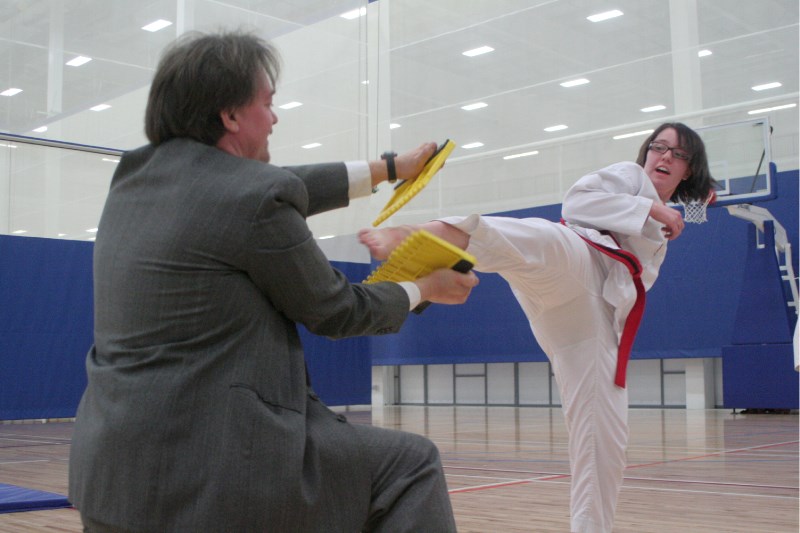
[(507, 469)]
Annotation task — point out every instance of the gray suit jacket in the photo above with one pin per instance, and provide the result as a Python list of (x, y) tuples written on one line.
[(196, 415)]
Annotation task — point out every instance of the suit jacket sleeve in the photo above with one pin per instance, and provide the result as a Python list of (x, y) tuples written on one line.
[(326, 184), (283, 259)]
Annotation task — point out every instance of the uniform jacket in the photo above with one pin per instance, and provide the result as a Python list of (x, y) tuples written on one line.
[(617, 199)]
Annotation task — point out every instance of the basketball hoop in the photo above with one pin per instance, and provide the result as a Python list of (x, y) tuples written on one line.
[(695, 210)]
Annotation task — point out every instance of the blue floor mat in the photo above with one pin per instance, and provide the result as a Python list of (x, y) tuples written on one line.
[(14, 499)]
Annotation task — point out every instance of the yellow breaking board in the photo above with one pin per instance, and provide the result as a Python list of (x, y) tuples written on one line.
[(418, 255), (409, 189)]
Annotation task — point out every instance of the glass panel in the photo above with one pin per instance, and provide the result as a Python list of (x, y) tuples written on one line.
[(534, 384), (471, 390), (644, 382), (440, 384), (501, 383), (412, 384), (52, 192)]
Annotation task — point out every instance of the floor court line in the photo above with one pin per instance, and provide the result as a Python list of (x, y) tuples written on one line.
[(554, 476), (25, 461), (714, 454), (681, 459), (491, 486)]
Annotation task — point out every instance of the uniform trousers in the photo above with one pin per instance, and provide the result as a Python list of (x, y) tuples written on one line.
[(558, 280)]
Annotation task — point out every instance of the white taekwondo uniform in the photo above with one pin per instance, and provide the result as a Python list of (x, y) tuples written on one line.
[(577, 300)]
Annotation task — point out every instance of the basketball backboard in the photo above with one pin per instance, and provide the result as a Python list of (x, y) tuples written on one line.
[(740, 160)]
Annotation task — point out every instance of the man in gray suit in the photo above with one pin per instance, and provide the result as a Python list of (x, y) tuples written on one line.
[(198, 415)]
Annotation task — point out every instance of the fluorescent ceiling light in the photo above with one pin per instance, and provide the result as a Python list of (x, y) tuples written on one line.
[(365, 82), (92, 230), (41, 129), (472, 145), (92, 239), (326, 237), (100, 107), (394, 126), (704, 53), (311, 145), (78, 61), (7, 145), (476, 105), (159, 24), (478, 51), (634, 134), (766, 86), (62, 234), (11, 92), (523, 154), (768, 109), (614, 13), (19, 231), (559, 127), (354, 14), (652, 108), (575, 83), (109, 160), (291, 105)]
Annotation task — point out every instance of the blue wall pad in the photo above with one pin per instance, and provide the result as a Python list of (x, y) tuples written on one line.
[(696, 296), (46, 315), (759, 377), (340, 370), (15, 499), (46, 323)]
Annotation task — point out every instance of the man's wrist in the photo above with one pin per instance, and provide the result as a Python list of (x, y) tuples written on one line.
[(391, 171)]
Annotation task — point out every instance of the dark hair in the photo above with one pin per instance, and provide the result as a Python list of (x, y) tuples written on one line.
[(699, 183), (201, 75)]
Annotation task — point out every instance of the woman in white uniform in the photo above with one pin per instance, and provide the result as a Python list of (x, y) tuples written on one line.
[(581, 284)]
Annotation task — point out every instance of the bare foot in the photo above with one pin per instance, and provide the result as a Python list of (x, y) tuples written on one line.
[(381, 242)]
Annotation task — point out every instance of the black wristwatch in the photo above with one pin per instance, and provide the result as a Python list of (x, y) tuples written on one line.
[(389, 158)]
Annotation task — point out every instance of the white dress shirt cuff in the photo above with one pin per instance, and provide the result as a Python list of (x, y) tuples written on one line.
[(359, 178), (414, 295)]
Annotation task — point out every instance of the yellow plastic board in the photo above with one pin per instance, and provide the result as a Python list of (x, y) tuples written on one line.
[(409, 189), (418, 255)]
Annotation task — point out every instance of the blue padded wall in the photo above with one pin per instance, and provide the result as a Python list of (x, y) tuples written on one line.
[(46, 325), (46, 315), (691, 310), (340, 370), (46, 329), (757, 364)]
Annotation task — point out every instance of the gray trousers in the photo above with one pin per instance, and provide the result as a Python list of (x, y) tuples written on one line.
[(374, 479)]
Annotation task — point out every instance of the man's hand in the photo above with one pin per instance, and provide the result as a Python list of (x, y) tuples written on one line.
[(408, 165), (671, 218), (446, 286)]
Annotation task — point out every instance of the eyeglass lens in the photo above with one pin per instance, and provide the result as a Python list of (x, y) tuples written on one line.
[(677, 152)]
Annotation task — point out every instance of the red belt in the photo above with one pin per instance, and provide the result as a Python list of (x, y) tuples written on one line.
[(635, 315)]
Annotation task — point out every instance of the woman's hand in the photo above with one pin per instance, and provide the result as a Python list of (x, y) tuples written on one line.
[(671, 218)]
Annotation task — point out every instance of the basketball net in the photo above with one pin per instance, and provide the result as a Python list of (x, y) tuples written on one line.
[(695, 210)]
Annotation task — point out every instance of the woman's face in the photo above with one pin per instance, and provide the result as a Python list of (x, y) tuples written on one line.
[(666, 170)]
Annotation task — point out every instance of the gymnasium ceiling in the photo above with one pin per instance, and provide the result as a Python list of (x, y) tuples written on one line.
[(646, 57)]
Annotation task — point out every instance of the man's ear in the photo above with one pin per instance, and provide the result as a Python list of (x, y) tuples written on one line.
[(228, 117)]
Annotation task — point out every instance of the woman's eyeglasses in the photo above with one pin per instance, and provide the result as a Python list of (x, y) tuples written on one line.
[(662, 148)]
